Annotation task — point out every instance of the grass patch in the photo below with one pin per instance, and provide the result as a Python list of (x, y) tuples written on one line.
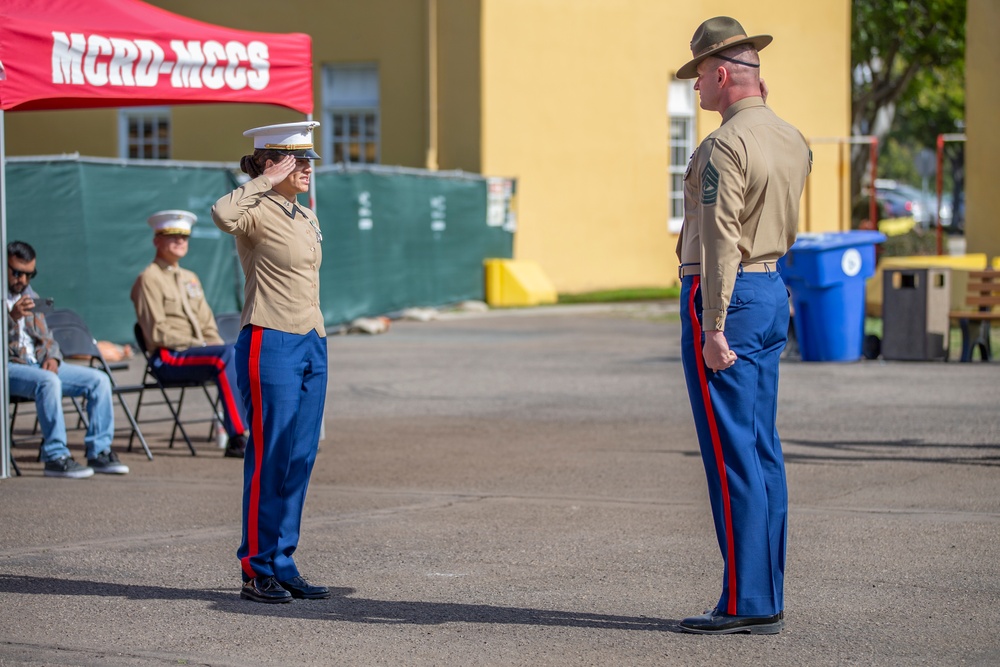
[(618, 295), (873, 326)]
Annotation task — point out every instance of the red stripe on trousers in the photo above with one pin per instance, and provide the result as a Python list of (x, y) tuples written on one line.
[(720, 462), (258, 448), (227, 392)]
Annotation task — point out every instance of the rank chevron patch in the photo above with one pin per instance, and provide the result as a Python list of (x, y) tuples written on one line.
[(709, 184)]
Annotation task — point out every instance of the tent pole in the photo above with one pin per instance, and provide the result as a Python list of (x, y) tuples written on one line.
[(5, 443)]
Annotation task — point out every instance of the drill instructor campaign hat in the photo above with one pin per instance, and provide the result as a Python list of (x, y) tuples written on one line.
[(716, 35), (286, 138), (172, 222)]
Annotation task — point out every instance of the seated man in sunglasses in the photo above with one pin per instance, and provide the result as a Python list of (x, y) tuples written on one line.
[(35, 370), (178, 325)]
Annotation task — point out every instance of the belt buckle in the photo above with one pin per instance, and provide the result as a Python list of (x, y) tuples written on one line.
[(680, 269)]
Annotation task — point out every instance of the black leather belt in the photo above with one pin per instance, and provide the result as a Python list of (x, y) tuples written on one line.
[(756, 267)]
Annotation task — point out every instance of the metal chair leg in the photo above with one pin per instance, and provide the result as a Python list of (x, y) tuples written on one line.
[(967, 344), (135, 428), (177, 420)]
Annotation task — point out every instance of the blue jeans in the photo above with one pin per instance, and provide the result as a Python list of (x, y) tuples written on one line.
[(47, 389)]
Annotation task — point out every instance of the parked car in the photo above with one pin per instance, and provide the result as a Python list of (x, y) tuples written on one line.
[(897, 204), (903, 200)]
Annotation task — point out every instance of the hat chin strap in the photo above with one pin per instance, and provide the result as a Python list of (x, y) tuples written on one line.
[(734, 60)]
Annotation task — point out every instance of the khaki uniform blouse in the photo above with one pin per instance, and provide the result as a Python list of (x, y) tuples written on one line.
[(280, 247), (171, 308), (741, 199)]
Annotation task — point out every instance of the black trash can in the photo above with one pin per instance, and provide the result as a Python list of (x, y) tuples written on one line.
[(915, 324)]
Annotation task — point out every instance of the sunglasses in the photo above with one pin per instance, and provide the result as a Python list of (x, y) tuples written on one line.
[(17, 274)]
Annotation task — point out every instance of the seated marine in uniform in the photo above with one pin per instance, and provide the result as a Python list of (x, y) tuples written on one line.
[(178, 324)]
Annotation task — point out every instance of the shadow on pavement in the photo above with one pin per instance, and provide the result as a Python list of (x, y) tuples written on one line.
[(848, 451), (340, 607)]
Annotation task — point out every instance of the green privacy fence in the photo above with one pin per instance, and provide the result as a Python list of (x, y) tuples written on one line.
[(391, 238)]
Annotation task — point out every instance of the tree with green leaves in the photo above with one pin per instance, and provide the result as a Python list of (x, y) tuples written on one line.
[(908, 66)]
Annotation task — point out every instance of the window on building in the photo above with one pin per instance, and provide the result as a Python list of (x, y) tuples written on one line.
[(144, 133), (351, 114), (681, 111)]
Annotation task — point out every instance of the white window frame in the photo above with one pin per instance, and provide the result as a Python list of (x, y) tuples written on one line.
[(146, 116), (681, 108), (351, 121)]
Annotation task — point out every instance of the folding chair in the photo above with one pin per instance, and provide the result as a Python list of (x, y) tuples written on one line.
[(15, 401), (150, 380), (75, 340)]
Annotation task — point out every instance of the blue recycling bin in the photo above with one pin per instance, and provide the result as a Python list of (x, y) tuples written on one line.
[(826, 275)]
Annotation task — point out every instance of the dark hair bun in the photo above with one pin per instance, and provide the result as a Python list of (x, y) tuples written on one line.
[(248, 166)]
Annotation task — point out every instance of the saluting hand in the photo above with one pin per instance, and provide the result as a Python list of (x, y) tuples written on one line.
[(716, 351), (279, 171)]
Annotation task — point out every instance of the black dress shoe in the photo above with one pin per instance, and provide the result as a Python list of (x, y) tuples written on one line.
[(302, 589), (264, 589), (716, 623), (236, 447)]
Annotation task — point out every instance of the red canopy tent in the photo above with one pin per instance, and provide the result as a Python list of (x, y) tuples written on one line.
[(72, 54), (76, 54)]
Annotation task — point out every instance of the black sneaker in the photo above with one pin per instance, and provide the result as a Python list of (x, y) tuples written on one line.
[(108, 463), (67, 467)]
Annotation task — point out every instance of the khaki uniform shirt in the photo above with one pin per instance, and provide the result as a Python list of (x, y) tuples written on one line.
[(741, 199), (171, 308), (280, 248)]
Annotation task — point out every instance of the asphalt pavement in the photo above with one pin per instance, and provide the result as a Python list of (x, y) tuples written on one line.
[(524, 488)]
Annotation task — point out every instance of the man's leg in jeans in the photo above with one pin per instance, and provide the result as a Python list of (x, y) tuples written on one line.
[(45, 388), (95, 387)]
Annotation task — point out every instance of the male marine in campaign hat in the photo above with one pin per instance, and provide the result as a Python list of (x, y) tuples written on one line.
[(741, 208)]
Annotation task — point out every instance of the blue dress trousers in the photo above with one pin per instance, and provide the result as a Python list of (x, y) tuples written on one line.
[(282, 377), (735, 412)]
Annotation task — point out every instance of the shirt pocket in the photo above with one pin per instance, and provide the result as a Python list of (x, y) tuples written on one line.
[(172, 306)]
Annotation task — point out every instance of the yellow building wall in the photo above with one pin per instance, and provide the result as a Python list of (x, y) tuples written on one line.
[(982, 59), (574, 106), (459, 94), (567, 96)]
